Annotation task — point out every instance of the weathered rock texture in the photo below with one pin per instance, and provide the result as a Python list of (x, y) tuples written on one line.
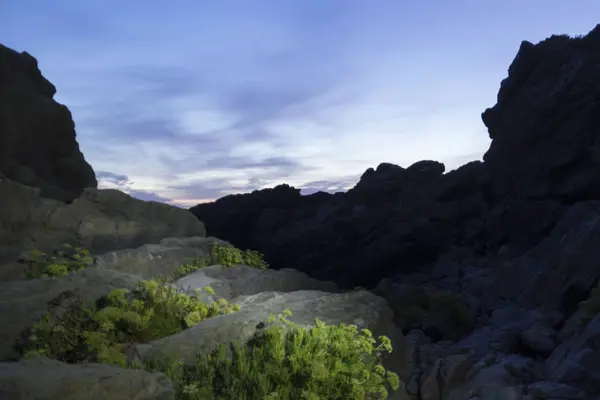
[(37, 134), (99, 220)]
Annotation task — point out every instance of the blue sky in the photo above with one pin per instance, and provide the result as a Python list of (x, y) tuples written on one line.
[(187, 101)]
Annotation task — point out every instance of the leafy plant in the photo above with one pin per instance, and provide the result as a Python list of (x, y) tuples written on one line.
[(230, 256), (323, 362), (63, 261), (254, 259), (192, 265), (100, 332), (223, 255)]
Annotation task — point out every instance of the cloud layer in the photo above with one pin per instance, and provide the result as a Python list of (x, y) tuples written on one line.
[(187, 101)]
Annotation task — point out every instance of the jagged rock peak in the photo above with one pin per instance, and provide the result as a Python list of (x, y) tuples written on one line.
[(24, 64), (546, 122), (38, 145)]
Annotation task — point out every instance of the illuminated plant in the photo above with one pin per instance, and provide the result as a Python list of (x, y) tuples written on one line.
[(323, 362), (223, 255), (64, 261), (100, 332)]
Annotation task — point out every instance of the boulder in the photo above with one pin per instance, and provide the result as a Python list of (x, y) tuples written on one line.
[(576, 361), (361, 308), (99, 220), (41, 378)]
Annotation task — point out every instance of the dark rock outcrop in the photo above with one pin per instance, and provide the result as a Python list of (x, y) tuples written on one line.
[(544, 157), (37, 135), (493, 288), (545, 126)]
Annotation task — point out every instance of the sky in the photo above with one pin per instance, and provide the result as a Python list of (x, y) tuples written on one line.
[(187, 101)]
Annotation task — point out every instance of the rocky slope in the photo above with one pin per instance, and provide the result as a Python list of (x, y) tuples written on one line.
[(482, 278)]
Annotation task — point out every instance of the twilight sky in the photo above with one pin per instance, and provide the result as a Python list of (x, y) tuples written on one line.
[(185, 101)]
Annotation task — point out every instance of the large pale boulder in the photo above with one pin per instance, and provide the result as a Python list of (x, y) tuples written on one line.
[(361, 308), (44, 379)]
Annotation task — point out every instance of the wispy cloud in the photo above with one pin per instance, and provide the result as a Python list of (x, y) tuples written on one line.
[(189, 101)]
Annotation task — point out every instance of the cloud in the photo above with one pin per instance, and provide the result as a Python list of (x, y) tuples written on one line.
[(149, 196), (332, 186), (191, 101), (112, 178)]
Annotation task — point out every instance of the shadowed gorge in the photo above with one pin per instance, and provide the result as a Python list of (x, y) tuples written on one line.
[(416, 284)]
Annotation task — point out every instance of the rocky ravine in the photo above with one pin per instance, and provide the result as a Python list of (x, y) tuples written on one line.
[(476, 276), (515, 235)]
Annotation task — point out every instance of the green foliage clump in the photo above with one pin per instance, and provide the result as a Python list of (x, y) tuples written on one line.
[(64, 261), (230, 256), (193, 264), (101, 332), (320, 363), (223, 255)]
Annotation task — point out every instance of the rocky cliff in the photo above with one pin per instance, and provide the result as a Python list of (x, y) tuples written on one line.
[(543, 159), (484, 279), (37, 135)]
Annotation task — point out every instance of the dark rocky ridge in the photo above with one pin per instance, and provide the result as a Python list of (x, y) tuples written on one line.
[(544, 157), (38, 147), (505, 311)]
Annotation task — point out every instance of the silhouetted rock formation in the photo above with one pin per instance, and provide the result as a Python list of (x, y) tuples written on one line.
[(491, 267), (37, 134), (544, 156), (546, 123)]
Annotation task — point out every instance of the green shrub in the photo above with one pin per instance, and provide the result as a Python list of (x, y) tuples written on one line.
[(100, 332), (193, 264), (61, 263), (70, 259), (230, 256), (323, 362), (254, 259), (223, 255)]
